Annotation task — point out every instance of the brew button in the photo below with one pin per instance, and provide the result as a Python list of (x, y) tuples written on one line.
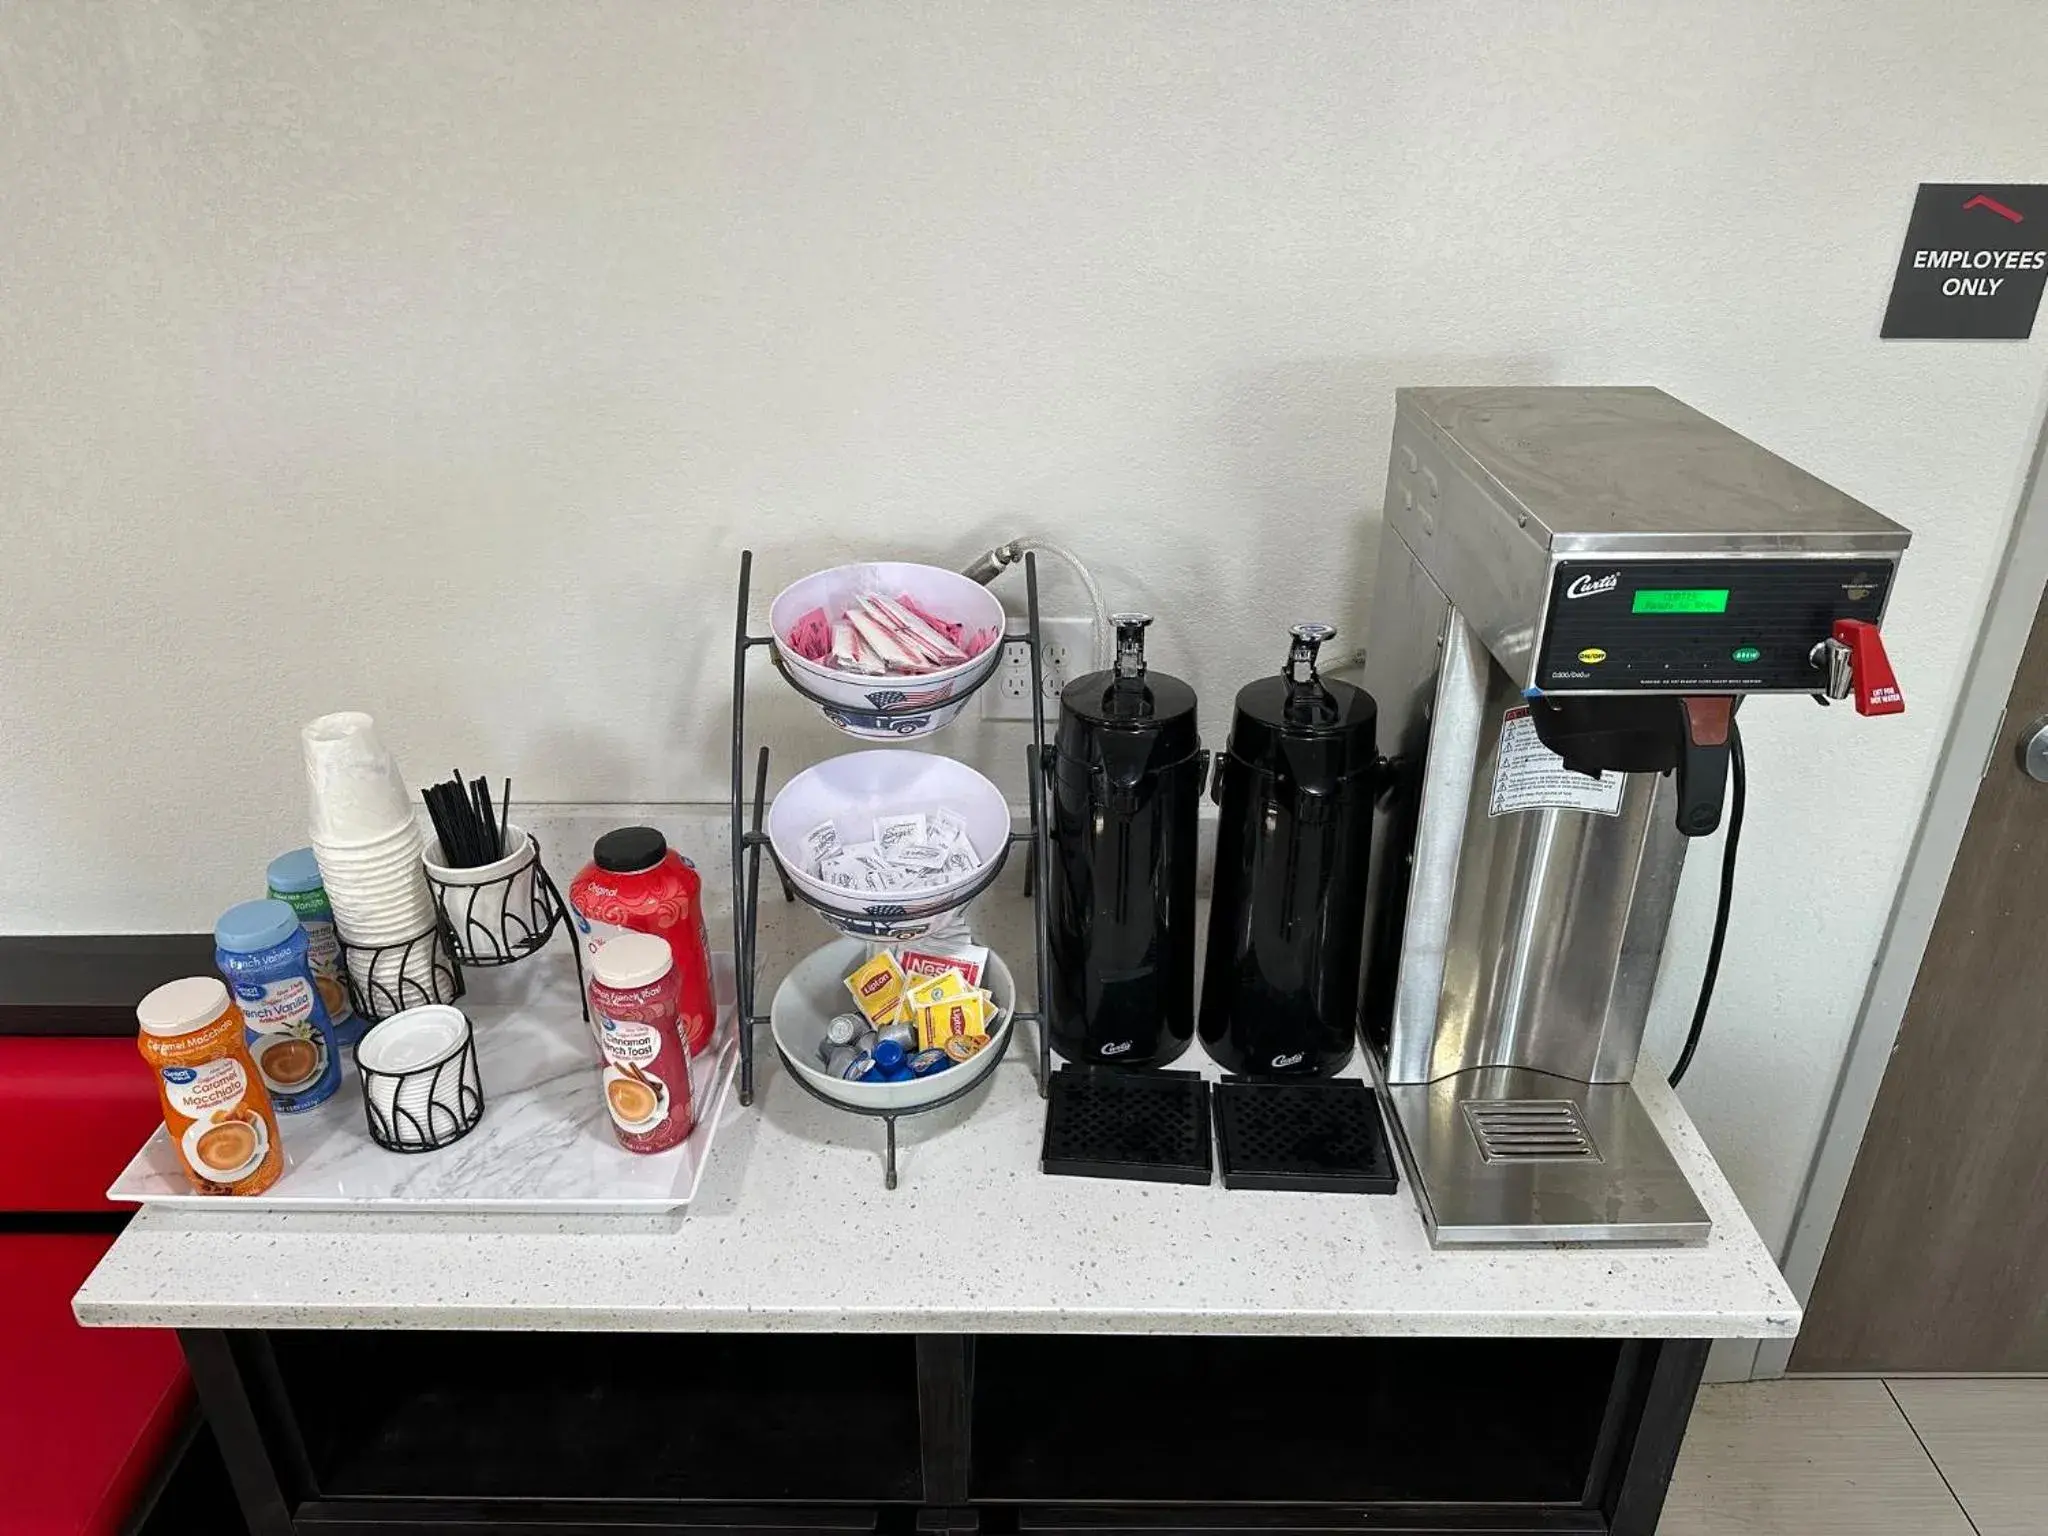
[(1746, 654)]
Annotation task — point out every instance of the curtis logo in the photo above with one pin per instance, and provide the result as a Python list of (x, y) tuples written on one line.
[(1586, 586)]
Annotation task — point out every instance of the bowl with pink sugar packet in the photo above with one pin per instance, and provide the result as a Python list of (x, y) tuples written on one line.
[(886, 649)]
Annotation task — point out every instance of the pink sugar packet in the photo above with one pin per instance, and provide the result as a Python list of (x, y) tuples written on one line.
[(811, 636), (945, 627), (938, 647)]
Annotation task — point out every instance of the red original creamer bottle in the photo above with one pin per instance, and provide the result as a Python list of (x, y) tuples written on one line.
[(633, 1009), (636, 883)]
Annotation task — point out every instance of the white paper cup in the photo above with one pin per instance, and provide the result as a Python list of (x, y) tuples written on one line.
[(380, 910), (401, 928), (379, 891), (404, 844), (353, 785), (363, 903), (382, 885)]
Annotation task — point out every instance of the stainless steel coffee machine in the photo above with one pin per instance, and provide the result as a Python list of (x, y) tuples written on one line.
[(1576, 588)]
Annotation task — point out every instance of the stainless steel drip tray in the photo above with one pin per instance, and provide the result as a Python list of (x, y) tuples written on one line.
[(1506, 1155)]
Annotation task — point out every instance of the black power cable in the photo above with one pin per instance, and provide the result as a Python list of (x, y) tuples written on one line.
[(1730, 841)]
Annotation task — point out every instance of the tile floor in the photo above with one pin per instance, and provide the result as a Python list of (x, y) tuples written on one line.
[(1912, 1456)]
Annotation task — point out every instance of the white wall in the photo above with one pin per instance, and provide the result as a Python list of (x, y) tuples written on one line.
[(439, 360)]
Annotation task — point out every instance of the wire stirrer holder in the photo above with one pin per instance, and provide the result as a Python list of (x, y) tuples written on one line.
[(749, 842), (503, 920)]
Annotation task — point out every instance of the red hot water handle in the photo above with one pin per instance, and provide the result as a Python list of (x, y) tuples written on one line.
[(1877, 688)]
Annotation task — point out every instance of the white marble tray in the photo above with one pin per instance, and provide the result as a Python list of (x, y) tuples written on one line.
[(544, 1146)]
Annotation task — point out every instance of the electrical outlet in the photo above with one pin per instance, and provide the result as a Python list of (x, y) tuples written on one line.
[(1066, 651)]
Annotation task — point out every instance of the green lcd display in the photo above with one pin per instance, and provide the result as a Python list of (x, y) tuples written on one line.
[(1690, 600)]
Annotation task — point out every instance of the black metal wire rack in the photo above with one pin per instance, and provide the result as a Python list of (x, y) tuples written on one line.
[(750, 842), (522, 927), (413, 972), (447, 1106)]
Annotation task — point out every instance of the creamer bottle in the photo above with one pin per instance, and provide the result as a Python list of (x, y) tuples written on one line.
[(215, 1106), (295, 880), (263, 954)]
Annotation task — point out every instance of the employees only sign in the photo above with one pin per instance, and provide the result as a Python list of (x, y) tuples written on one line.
[(1973, 265)]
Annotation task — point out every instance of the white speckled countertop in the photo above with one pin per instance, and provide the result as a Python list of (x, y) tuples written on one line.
[(793, 1230)]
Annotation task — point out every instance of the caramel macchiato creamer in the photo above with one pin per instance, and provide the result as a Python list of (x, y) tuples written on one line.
[(216, 1108)]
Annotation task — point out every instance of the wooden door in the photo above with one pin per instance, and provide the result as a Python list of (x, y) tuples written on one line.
[(1939, 1258)]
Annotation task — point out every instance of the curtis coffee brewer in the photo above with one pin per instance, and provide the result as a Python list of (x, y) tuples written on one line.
[(1576, 589), (1126, 776), (1287, 925)]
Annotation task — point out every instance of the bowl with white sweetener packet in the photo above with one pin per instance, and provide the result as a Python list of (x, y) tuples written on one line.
[(889, 844)]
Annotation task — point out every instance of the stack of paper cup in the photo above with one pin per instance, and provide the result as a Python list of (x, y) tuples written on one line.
[(368, 846)]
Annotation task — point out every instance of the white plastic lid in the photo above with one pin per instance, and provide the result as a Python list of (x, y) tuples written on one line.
[(179, 1007), (628, 960), (418, 1037)]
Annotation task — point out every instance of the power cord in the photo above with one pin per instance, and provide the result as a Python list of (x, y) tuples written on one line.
[(992, 564), (1730, 841)]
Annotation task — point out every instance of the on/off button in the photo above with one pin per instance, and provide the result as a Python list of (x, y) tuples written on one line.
[(1592, 656)]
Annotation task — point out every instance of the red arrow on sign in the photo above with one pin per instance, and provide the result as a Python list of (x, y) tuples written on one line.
[(1981, 201)]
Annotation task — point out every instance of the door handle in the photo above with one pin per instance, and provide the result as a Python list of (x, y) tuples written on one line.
[(2034, 750)]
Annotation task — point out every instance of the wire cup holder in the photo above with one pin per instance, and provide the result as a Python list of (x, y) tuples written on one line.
[(387, 979), (427, 1107)]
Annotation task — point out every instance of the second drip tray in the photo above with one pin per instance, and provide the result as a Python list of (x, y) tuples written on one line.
[(1315, 1134)]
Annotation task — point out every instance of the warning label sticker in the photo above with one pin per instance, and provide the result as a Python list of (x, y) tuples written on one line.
[(1528, 776)]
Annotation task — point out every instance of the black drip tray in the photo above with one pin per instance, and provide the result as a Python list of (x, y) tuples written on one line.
[(1104, 1124), (1315, 1134)]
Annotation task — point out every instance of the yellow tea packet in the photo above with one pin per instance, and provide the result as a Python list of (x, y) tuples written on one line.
[(877, 989)]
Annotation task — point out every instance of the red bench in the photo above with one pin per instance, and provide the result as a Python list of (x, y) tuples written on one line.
[(92, 1413)]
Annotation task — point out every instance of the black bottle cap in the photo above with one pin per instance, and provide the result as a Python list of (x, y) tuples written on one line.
[(629, 850), (1145, 719), (1303, 726)]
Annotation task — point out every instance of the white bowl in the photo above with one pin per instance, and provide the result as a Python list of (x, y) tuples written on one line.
[(855, 700), (850, 791), (815, 990)]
